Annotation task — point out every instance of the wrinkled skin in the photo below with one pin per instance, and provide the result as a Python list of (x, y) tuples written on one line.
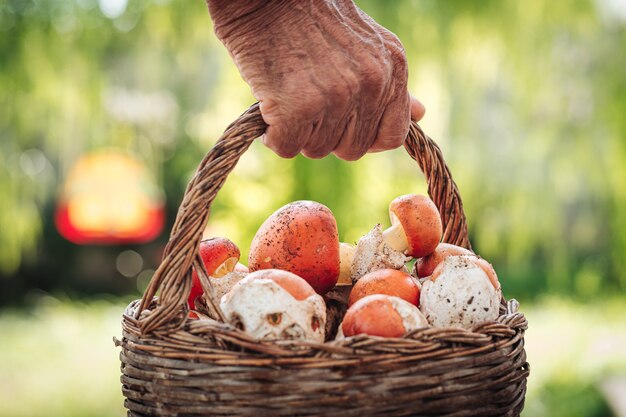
[(329, 78)]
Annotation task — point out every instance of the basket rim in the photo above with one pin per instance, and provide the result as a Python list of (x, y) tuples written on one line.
[(510, 325)]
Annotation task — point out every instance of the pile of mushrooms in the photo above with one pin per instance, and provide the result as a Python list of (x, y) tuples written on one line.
[(302, 283)]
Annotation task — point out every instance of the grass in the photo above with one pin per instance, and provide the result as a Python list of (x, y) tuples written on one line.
[(572, 348), (58, 358)]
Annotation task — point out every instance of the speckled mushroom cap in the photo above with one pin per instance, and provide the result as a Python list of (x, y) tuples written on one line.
[(459, 294), (275, 304), (300, 237), (420, 220)]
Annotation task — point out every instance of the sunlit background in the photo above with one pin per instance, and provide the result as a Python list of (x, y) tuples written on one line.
[(109, 103)]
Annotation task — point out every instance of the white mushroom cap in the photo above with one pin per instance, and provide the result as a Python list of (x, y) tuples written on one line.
[(459, 294), (266, 310), (412, 317), (372, 253)]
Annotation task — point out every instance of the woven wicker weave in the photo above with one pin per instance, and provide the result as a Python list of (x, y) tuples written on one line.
[(177, 367)]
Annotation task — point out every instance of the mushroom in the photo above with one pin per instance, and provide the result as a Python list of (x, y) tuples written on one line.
[(302, 238), (337, 298), (220, 255), (222, 285), (388, 282), (425, 266), (416, 228), (346, 255), (373, 253), (459, 293), (341, 291), (274, 304), (382, 315)]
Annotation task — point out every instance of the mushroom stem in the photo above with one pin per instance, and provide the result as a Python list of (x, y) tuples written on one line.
[(346, 254), (395, 237)]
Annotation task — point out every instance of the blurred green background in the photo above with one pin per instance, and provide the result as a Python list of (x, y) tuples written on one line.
[(526, 99)]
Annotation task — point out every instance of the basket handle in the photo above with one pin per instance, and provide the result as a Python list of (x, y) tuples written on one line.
[(173, 277)]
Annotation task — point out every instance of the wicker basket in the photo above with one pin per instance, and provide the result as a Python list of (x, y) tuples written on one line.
[(173, 366)]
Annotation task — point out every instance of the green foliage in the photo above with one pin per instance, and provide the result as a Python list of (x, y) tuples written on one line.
[(528, 118), (526, 100), (571, 398), (58, 359), (573, 350)]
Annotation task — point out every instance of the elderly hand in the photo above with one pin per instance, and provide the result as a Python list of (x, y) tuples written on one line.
[(328, 78)]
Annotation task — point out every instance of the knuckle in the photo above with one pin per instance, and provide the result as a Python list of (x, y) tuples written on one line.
[(392, 42), (397, 58), (401, 71), (400, 68)]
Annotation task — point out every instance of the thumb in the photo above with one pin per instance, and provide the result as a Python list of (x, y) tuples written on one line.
[(417, 109)]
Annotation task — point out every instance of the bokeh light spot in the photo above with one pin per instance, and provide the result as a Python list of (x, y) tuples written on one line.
[(129, 263), (112, 8), (143, 279)]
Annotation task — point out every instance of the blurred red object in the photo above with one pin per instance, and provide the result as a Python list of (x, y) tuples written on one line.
[(109, 197)]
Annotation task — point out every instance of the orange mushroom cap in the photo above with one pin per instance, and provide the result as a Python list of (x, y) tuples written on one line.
[(420, 221), (388, 282), (426, 265), (374, 315), (215, 252), (300, 237), (292, 283)]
